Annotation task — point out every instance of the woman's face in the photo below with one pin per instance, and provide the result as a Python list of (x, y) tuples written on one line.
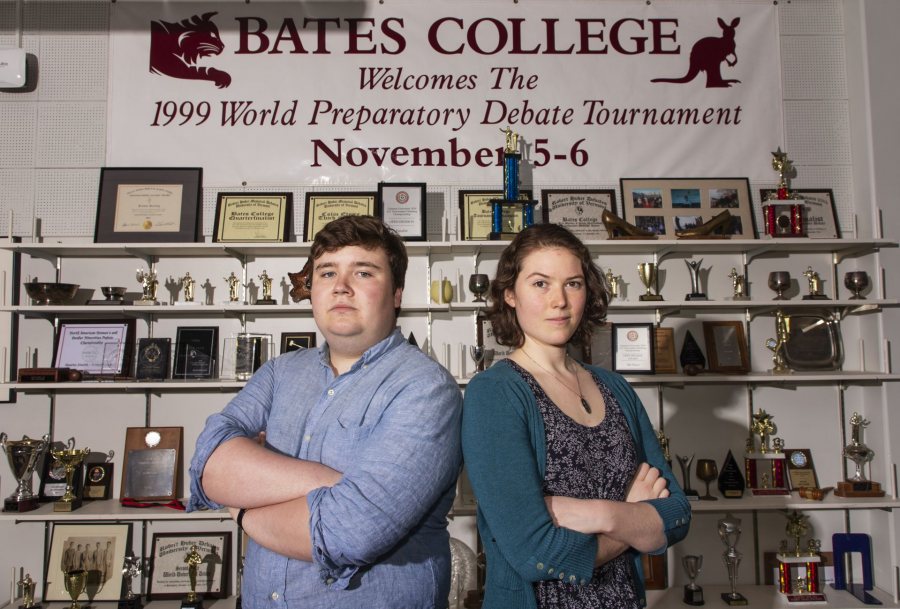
[(549, 296)]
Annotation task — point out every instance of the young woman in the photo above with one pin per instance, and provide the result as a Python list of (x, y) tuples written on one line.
[(571, 484)]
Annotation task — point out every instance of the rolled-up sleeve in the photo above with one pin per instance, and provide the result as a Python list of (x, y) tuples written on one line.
[(404, 468)]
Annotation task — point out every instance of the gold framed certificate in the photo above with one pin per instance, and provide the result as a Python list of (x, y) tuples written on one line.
[(260, 217), (323, 207)]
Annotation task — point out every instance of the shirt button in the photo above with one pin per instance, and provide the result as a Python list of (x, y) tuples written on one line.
[(572, 579), (274, 596), (329, 581), (307, 437), (561, 575), (582, 582), (540, 566), (331, 392), (550, 571)]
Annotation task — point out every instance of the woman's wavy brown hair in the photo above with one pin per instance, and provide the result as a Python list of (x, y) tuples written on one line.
[(543, 236)]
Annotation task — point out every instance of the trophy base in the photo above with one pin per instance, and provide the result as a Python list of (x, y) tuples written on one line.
[(816, 297), (806, 598), (266, 301), (693, 596), (32, 606), (187, 303), (734, 599), (694, 237), (501, 236), (12, 505), (146, 303), (111, 303), (696, 296), (196, 603), (67, 506), (691, 494), (130, 603), (866, 488), (650, 297), (767, 492)]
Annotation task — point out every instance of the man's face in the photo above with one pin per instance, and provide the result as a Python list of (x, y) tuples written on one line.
[(353, 298)]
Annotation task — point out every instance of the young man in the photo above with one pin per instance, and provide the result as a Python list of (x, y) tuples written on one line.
[(346, 502)]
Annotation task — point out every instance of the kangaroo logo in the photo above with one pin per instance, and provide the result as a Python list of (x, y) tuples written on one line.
[(708, 54), (176, 47)]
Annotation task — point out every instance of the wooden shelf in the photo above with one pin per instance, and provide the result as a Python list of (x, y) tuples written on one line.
[(761, 596)]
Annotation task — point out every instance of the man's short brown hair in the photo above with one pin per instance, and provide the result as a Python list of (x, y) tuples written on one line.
[(368, 233)]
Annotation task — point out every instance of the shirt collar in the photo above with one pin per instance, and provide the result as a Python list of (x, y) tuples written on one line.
[(370, 355)]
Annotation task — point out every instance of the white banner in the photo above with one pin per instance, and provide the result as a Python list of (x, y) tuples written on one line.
[(357, 92)]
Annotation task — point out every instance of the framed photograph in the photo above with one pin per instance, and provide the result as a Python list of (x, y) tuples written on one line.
[(53, 479), (149, 205), (169, 566), (821, 213), (579, 210), (152, 463), (726, 347), (101, 348), (295, 341), (255, 217), (475, 212), (98, 481), (633, 350), (402, 207), (665, 205), (664, 345), (196, 352), (323, 207), (801, 471), (99, 549)]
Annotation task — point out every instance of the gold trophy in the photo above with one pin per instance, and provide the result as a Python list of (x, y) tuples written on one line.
[(815, 285), (648, 272), (777, 345), (27, 586), (613, 281), (75, 581), (149, 284), (23, 457), (192, 600), (738, 285), (858, 485), (70, 458)]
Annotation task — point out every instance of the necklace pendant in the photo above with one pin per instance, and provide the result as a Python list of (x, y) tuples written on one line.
[(586, 406)]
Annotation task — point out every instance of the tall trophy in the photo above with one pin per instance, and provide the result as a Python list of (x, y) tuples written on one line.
[(693, 594), (192, 600), (858, 485), (75, 581), (694, 270), (783, 212), (648, 272), (514, 211), (806, 562), (23, 457), (131, 569), (70, 458), (730, 533), (685, 464)]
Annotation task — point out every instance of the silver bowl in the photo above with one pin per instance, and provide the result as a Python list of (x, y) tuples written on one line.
[(51, 293), (113, 292)]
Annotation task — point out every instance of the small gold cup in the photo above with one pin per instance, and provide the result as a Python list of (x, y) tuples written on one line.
[(75, 582), (70, 458)]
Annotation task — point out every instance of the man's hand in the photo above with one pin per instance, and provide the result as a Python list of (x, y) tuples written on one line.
[(647, 484)]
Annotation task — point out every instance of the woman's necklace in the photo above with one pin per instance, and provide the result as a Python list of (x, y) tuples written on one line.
[(584, 404)]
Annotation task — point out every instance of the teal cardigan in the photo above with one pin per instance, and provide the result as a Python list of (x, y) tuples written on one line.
[(506, 458)]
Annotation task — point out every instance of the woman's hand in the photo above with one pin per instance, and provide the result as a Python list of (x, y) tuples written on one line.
[(647, 484)]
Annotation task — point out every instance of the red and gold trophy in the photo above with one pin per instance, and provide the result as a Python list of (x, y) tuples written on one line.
[(764, 465), (799, 569), (784, 213)]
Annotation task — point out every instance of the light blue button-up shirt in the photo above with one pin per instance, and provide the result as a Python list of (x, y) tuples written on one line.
[(390, 425)]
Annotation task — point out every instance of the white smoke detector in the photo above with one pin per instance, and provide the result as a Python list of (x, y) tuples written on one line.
[(12, 68)]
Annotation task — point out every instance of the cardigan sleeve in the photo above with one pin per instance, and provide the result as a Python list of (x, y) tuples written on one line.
[(502, 465)]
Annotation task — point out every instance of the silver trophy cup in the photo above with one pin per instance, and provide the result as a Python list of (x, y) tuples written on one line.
[(23, 457)]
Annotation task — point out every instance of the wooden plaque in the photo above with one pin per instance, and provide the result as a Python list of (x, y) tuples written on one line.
[(152, 463)]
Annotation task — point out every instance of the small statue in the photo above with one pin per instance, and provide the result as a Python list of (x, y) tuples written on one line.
[(777, 345), (738, 285), (187, 283), (613, 281), (148, 283), (193, 560), (783, 165), (815, 285), (233, 284), (797, 527), (131, 569), (512, 140), (664, 446), (763, 427), (27, 585), (266, 285)]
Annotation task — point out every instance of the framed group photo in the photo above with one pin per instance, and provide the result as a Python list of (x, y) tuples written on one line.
[(664, 206), (169, 566), (821, 221), (579, 211), (255, 217), (98, 549), (402, 207), (323, 207), (149, 205)]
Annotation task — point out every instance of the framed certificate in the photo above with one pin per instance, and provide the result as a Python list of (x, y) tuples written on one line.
[(323, 207), (633, 348), (95, 347), (169, 566), (259, 217), (152, 462), (149, 205), (726, 346), (402, 207), (579, 211)]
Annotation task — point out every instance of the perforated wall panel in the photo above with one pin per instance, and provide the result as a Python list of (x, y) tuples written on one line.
[(817, 132), (73, 67), (66, 201), (810, 17), (17, 148), (813, 67), (16, 196), (71, 134)]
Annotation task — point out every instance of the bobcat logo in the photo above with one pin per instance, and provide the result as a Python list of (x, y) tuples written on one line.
[(175, 48), (707, 55)]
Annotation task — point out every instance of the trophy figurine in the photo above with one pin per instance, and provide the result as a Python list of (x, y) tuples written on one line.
[(27, 586), (693, 594), (266, 282), (75, 582), (738, 285), (694, 269), (131, 569), (685, 464), (70, 458), (730, 533), (149, 284), (233, 287), (187, 284), (815, 285), (858, 485), (613, 281), (23, 457), (648, 272), (777, 345), (192, 600)]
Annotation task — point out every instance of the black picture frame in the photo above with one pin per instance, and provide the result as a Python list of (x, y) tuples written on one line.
[(176, 209), (323, 207), (255, 229), (402, 206), (821, 220), (295, 341), (119, 368), (153, 361), (98, 481), (579, 210), (196, 352), (168, 576), (633, 348)]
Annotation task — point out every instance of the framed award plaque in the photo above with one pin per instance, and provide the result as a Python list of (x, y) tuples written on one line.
[(169, 578), (152, 462), (801, 471), (153, 359), (196, 352), (98, 481)]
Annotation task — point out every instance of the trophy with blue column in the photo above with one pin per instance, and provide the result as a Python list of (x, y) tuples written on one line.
[(514, 211)]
